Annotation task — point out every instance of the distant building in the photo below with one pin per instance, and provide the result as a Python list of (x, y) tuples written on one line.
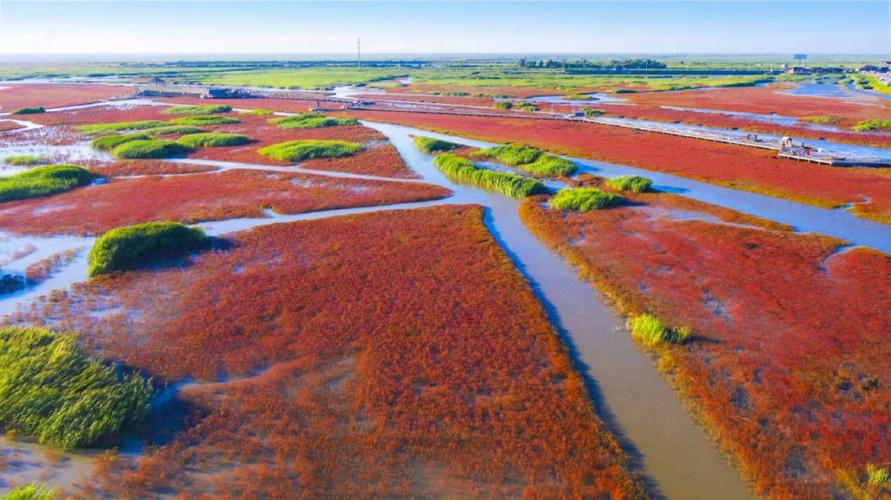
[(226, 93), (800, 70)]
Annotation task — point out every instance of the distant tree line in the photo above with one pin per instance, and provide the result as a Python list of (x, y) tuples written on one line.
[(617, 64)]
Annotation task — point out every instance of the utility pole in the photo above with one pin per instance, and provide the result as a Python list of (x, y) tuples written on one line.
[(358, 53)]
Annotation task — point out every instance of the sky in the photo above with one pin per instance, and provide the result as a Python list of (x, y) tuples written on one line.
[(287, 27)]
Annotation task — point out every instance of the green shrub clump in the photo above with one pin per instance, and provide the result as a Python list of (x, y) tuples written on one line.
[(870, 125), (204, 109), (130, 247), (430, 145), (29, 492), (634, 183), (593, 113), (877, 476), (503, 105), (29, 111), (174, 130), (149, 150), (53, 392), (462, 170), (583, 199), (529, 159), (110, 128), (109, 142), (204, 120), (310, 120), (213, 140), (25, 160), (43, 181), (649, 330), (309, 149)]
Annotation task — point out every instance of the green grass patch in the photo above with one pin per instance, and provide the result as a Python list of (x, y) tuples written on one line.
[(53, 392), (583, 199), (152, 149), (204, 120), (462, 170), (29, 111), (577, 97), (110, 128), (295, 151), (527, 158), (258, 111), (109, 142), (213, 140), (43, 181), (593, 113), (174, 130), (131, 247), (871, 125), (30, 492), (25, 160), (503, 105), (649, 330), (633, 183), (430, 145), (820, 119), (310, 120), (203, 109)]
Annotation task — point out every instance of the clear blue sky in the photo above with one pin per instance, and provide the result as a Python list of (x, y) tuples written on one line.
[(445, 27)]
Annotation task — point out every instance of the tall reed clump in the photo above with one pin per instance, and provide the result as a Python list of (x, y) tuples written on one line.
[(583, 199), (430, 145), (309, 149), (650, 331), (462, 170), (203, 109), (43, 181), (528, 159), (633, 183), (310, 120), (30, 492), (213, 140), (51, 391), (131, 247)]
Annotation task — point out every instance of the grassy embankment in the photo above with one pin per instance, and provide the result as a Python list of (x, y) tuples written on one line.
[(200, 120), (310, 149), (51, 391), (528, 159), (462, 170), (131, 247), (25, 160), (430, 145), (872, 125), (28, 111), (310, 120), (203, 109), (151, 149), (43, 181), (213, 140)]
